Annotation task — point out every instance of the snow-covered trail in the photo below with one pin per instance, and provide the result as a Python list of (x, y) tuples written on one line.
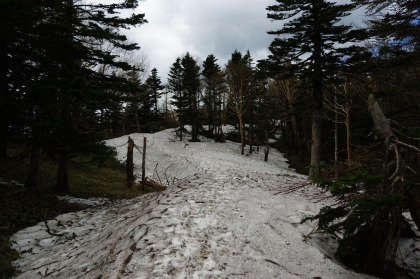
[(222, 219)]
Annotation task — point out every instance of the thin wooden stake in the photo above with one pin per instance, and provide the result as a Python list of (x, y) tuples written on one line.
[(143, 164), (130, 163)]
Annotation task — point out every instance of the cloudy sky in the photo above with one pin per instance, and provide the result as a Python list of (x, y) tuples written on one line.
[(202, 27)]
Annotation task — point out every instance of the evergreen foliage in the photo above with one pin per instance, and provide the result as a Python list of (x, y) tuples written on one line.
[(372, 191), (179, 99), (61, 88), (184, 83), (154, 86), (191, 86), (214, 87), (307, 43)]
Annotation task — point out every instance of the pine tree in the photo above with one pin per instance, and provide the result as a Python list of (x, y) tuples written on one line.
[(191, 86), (81, 88), (394, 28), (153, 87), (214, 87), (179, 100), (310, 41)]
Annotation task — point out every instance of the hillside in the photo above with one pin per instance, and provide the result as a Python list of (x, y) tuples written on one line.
[(222, 217)]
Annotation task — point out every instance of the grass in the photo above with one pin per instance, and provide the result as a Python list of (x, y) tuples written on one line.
[(89, 177)]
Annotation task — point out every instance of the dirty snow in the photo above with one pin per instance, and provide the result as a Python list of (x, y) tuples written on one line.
[(220, 218), (88, 202)]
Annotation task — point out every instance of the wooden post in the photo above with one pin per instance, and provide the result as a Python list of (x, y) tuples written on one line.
[(143, 163), (130, 163)]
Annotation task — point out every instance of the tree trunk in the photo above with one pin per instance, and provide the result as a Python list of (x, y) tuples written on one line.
[(336, 138), (250, 135), (241, 132), (316, 146), (156, 105), (137, 120), (130, 163), (296, 135), (32, 180), (348, 138), (317, 99), (62, 183), (3, 136), (193, 132), (4, 127)]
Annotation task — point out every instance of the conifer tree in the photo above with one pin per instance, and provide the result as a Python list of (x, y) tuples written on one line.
[(19, 44), (154, 86), (179, 100), (81, 89), (62, 89), (312, 41), (214, 86), (191, 86)]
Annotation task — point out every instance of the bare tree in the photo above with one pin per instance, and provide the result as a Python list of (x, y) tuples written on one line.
[(340, 104), (239, 80), (284, 92), (398, 169)]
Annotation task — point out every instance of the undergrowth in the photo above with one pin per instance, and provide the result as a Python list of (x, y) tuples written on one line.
[(89, 177)]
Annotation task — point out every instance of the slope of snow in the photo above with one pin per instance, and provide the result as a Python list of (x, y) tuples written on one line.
[(222, 218)]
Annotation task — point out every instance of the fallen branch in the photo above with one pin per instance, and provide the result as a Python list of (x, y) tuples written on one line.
[(153, 184), (58, 234), (49, 230), (294, 188), (407, 145), (273, 262)]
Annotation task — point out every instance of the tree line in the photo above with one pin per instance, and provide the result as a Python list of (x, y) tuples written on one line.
[(58, 82)]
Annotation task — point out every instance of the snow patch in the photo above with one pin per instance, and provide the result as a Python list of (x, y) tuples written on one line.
[(219, 218)]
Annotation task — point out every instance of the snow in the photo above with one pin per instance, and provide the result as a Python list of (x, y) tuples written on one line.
[(88, 202), (221, 217)]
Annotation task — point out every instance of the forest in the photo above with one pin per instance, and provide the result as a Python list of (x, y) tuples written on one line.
[(342, 103)]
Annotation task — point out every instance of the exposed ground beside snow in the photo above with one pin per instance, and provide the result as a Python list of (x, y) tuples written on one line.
[(221, 219)]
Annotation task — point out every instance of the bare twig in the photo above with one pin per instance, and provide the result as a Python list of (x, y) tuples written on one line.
[(293, 189), (407, 145), (49, 230)]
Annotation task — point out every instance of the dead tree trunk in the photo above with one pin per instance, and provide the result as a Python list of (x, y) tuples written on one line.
[(394, 161), (130, 163), (143, 162), (336, 137)]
